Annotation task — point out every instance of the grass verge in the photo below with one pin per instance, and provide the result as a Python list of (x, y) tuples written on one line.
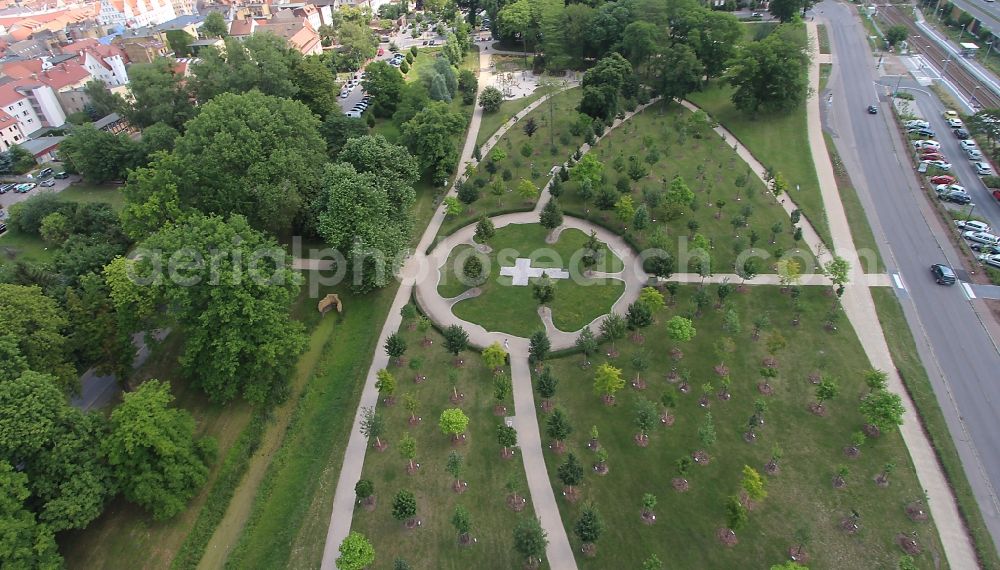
[(904, 354), (861, 231)]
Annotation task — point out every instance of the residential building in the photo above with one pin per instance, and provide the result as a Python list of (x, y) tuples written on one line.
[(104, 63), (135, 13), (144, 50), (242, 29), (32, 104), (198, 45), (188, 23), (297, 31), (10, 132)]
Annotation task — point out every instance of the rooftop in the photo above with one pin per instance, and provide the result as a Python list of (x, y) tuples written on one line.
[(41, 144)]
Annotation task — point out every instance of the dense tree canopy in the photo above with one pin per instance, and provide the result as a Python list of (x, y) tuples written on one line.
[(34, 325), (158, 95), (153, 452), (24, 543), (768, 74), (98, 155), (384, 83), (231, 300), (429, 136)]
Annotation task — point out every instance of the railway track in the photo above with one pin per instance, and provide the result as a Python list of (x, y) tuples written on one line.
[(964, 81)]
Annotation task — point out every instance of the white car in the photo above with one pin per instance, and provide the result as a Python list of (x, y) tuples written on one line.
[(955, 123), (926, 144), (982, 237), (968, 145), (942, 188), (945, 166), (344, 93), (983, 168), (974, 154), (972, 226), (354, 114), (993, 260), (916, 123)]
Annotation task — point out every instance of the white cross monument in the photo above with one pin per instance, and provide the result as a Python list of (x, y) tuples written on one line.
[(522, 271)]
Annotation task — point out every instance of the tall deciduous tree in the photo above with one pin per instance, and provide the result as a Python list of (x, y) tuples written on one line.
[(33, 325), (214, 25), (154, 453), (768, 74), (159, 95), (430, 137), (356, 552), (26, 543), (385, 85), (883, 409), (238, 339), (455, 339), (453, 422)]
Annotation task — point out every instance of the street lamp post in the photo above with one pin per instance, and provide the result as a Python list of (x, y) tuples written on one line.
[(989, 49), (898, 80), (972, 208), (944, 70)]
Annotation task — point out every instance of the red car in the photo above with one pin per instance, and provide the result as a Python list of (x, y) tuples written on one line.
[(996, 194), (932, 156), (943, 179), (381, 51)]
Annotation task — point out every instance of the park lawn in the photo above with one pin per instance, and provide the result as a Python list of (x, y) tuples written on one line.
[(778, 140), (87, 193), (504, 307), (295, 494), (711, 170), (449, 283), (510, 107), (549, 147), (801, 496), (911, 370), (435, 543)]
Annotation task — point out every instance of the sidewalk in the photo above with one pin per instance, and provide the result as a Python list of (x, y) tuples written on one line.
[(860, 309)]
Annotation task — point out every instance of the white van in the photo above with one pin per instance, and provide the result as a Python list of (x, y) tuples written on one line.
[(982, 237), (354, 113)]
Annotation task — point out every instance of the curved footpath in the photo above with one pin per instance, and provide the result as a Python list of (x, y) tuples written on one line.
[(558, 552)]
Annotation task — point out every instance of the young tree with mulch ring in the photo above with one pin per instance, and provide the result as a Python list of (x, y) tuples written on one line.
[(485, 230), (538, 347), (669, 401), (648, 504), (494, 356), (455, 341), (395, 347), (772, 468), (385, 383), (462, 523), (571, 475), (408, 449), (507, 438), (587, 344), (645, 418), (455, 465), (364, 489), (680, 483), (588, 529), (410, 404), (827, 390), (404, 508), (607, 381), (514, 500), (530, 541), (558, 428), (453, 422), (601, 467), (373, 426), (883, 410), (501, 391), (546, 387), (613, 329)]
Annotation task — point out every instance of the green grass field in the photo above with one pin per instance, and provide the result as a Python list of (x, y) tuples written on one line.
[(800, 497), (435, 543), (778, 140), (504, 307), (548, 148), (510, 107), (667, 147), (861, 231)]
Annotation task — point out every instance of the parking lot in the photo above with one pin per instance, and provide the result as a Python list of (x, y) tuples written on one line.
[(9, 198)]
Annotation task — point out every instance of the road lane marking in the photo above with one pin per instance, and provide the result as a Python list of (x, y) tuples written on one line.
[(968, 291), (898, 281)]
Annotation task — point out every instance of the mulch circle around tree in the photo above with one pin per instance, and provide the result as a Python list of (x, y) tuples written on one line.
[(532, 564), (795, 322), (547, 406), (380, 446), (798, 554), (572, 494), (589, 549), (750, 437), (637, 338), (772, 468), (839, 482), (401, 361), (369, 503), (704, 402), (815, 378), (499, 410), (458, 441), (425, 342), (466, 540), (413, 523), (817, 409), (457, 399), (507, 453), (672, 376), (639, 384), (612, 353), (558, 447), (721, 370), (414, 421), (701, 457), (765, 388), (850, 525), (419, 379), (916, 512), (727, 537), (458, 363), (517, 503), (641, 440), (852, 452), (882, 480), (601, 468), (871, 431), (460, 487), (724, 396), (684, 387), (648, 517), (411, 469), (593, 444), (608, 400), (388, 401), (770, 362), (680, 484), (667, 419), (908, 544), (676, 354)]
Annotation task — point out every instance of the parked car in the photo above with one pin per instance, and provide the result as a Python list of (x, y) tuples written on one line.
[(950, 114), (982, 237), (44, 172), (943, 274), (24, 188), (943, 179), (985, 248), (931, 154), (972, 226), (968, 145), (919, 144), (943, 188), (955, 197), (61, 175), (962, 134), (955, 123), (920, 124), (4, 188), (983, 168), (991, 260), (945, 166), (924, 132), (47, 183), (344, 93), (974, 154), (354, 114)]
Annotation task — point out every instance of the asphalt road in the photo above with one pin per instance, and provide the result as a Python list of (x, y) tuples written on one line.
[(959, 354), (10, 198)]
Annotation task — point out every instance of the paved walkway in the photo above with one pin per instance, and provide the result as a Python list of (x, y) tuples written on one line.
[(559, 553), (860, 309)]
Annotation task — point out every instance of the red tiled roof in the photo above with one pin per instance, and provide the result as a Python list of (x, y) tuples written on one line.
[(65, 75), (9, 94), (22, 69)]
